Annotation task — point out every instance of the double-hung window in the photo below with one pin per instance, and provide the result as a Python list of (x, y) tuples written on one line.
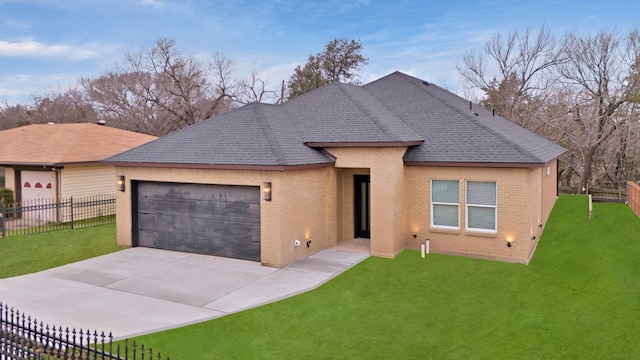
[(445, 204), (481, 206)]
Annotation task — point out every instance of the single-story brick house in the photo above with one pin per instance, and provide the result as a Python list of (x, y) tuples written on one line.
[(390, 163), (47, 162)]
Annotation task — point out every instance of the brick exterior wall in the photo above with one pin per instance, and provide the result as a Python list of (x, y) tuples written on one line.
[(387, 185), (524, 200), (317, 205), (298, 209)]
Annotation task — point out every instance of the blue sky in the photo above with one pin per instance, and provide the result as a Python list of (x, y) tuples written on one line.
[(47, 45)]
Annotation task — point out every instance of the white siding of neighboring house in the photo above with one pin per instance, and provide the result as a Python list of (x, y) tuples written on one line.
[(87, 180)]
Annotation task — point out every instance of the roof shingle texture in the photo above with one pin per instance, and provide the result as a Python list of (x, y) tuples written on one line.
[(58, 144), (394, 109)]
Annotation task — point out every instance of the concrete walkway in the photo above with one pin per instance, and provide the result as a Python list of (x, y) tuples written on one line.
[(139, 290)]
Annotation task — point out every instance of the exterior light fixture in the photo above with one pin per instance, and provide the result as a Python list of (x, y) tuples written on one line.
[(121, 183), (508, 243), (415, 235), (266, 191)]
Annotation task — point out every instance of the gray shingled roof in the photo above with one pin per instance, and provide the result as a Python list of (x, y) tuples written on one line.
[(256, 134), (396, 109), (454, 133)]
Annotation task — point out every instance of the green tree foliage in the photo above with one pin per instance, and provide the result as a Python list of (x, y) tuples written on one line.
[(6, 196), (340, 61)]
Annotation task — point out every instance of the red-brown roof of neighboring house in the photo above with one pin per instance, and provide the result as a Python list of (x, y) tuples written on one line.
[(59, 144)]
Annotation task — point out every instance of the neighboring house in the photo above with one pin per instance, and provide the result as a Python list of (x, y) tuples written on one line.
[(47, 162), (395, 162)]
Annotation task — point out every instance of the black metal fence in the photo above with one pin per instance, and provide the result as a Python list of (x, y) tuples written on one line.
[(44, 215), (22, 337)]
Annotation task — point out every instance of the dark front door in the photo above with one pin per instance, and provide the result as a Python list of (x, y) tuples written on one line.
[(361, 206)]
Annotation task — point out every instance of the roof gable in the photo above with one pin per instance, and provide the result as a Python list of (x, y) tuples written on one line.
[(340, 113)]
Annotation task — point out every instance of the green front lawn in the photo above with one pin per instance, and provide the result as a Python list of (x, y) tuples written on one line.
[(26, 254), (578, 299)]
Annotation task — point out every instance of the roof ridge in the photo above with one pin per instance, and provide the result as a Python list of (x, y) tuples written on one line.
[(93, 136), (473, 118), (274, 145), (374, 118)]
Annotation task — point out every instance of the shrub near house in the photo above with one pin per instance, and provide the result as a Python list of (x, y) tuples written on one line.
[(6, 197)]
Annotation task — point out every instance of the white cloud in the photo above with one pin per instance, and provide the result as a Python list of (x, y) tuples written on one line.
[(21, 88), (32, 48), (153, 3), (10, 92)]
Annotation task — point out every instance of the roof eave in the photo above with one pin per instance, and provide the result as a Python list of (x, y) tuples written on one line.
[(30, 164), (220, 166), (475, 164), (313, 144)]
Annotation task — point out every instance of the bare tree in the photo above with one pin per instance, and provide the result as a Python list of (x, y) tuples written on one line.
[(13, 115), (582, 93), (160, 91), (516, 77), (598, 75), (255, 89), (69, 106)]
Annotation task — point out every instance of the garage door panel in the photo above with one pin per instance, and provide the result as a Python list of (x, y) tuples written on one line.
[(201, 244), (218, 220)]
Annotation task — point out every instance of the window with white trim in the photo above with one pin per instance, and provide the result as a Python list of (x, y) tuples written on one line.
[(481, 206), (445, 204)]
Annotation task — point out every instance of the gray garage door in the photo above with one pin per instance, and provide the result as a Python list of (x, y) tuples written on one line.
[(219, 220)]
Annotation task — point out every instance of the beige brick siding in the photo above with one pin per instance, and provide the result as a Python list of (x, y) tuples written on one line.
[(303, 213), (549, 190), (297, 209), (513, 212), (317, 205), (387, 185)]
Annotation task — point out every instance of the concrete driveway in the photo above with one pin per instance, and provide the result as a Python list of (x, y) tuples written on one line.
[(140, 290)]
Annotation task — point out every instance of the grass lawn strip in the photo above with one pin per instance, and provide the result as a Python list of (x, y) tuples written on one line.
[(579, 298), (26, 254)]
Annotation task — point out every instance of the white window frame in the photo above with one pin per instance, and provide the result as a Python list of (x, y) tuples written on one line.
[(494, 207), (444, 203)]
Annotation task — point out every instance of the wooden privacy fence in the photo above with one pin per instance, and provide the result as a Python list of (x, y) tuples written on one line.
[(44, 215), (22, 337), (618, 195), (633, 197)]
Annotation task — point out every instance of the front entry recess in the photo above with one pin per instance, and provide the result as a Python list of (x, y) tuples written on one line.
[(362, 216)]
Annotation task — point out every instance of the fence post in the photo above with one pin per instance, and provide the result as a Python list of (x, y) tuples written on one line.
[(2, 215), (71, 208)]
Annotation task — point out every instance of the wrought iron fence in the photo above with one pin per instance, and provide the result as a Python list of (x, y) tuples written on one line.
[(44, 215), (22, 337)]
